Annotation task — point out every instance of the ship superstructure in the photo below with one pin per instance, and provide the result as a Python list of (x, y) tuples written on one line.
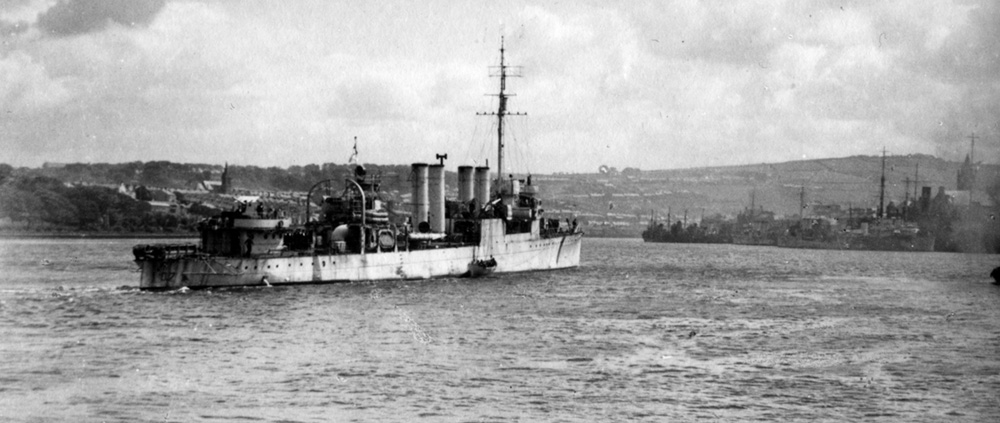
[(494, 225)]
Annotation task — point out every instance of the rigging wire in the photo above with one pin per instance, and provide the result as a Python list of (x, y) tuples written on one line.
[(475, 147), (487, 145), (478, 148), (521, 149)]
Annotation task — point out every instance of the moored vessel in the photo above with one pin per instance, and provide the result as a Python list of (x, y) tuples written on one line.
[(890, 236), (678, 233), (494, 225), (888, 231)]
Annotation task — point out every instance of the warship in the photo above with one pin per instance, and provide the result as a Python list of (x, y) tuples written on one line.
[(495, 225), (885, 233), (681, 233), (884, 236)]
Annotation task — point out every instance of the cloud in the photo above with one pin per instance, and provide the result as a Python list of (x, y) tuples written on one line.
[(970, 51), (10, 6), (73, 17), (370, 100), (840, 79), (115, 94), (10, 29), (652, 85), (25, 87)]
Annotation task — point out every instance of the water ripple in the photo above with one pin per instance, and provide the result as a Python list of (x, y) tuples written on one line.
[(637, 333)]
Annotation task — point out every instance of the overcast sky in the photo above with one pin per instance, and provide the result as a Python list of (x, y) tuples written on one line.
[(653, 85)]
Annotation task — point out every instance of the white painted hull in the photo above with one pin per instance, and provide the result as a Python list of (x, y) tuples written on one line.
[(513, 253)]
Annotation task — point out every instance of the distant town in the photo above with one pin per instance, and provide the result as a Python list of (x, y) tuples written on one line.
[(170, 199)]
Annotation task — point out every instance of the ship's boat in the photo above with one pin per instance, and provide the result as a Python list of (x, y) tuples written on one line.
[(495, 225), (482, 267)]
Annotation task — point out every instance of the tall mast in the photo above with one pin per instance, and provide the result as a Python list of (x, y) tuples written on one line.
[(972, 155), (972, 162), (906, 191), (881, 192), (802, 202), (502, 109)]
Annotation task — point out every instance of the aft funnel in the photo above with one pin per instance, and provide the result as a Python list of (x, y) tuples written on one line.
[(420, 205), (482, 187), (435, 195), (466, 190)]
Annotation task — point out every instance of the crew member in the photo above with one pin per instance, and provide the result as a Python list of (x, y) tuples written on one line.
[(249, 244)]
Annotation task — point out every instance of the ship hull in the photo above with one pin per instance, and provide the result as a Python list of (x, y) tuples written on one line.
[(862, 243), (513, 253)]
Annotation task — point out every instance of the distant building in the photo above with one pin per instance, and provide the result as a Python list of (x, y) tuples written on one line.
[(159, 200), (968, 194), (223, 186), (209, 186), (127, 189), (966, 175), (162, 195), (168, 207)]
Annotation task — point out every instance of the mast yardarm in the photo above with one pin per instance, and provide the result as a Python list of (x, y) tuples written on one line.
[(503, 71)]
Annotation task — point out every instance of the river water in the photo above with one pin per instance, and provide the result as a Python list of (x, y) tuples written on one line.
[(639, 332)]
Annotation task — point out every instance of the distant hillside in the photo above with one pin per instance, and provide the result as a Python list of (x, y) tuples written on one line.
[(180, 176), (776, 186), (615, 196)]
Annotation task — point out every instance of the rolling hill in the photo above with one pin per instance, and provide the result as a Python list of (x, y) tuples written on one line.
[(625, 198)]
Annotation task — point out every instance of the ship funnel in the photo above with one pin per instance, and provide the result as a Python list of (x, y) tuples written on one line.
[(465, 184), (435, 195), (419, 193), (482, 185)]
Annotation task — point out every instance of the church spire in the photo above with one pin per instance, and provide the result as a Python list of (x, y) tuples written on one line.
[(226, 181)]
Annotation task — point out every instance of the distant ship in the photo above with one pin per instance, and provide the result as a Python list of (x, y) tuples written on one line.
[(756, 226), (882, 237), (493, 226), (678, 232), (882, 234)]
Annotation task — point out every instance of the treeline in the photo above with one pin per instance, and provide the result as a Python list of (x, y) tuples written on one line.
[(52, 199), (156, 173), (164, 174), (40, 203)]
